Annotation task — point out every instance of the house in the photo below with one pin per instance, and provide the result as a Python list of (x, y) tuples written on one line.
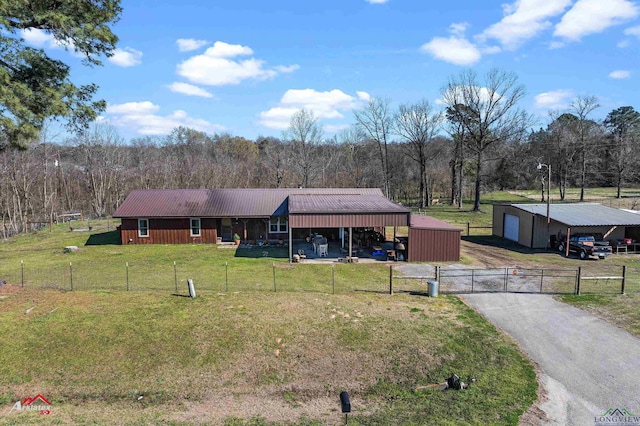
[(181, 216), (527, 224)]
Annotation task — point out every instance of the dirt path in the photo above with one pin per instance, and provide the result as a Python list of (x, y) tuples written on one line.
[(587, 366)]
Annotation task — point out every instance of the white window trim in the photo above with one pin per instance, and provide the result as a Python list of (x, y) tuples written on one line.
[(279, 221), (199, 234), (140, 228)]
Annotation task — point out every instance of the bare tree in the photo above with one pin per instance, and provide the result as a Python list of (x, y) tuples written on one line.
[(418, 124), (304, 134), (623, 125), (582, 106), (103, 161), (376, 123), (487, 111)]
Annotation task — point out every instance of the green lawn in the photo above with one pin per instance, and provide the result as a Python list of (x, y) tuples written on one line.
[(111, 357)]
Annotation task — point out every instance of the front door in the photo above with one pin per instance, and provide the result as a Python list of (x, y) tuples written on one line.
[(226, 229)]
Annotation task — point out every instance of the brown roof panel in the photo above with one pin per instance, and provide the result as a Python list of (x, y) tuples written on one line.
[(427, 222), (342, 203), (219, 202)]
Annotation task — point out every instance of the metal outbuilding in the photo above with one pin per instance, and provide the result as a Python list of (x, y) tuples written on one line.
[(527, 225), (432, 240)]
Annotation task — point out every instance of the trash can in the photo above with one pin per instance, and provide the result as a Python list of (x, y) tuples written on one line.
[(433, 288)]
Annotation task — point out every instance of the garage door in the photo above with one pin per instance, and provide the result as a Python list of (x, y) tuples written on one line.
[(511, 227)]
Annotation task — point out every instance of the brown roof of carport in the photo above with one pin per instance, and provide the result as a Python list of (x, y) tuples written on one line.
[(340, 210)]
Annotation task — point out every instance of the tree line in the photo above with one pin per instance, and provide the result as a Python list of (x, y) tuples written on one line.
[(478, 140)]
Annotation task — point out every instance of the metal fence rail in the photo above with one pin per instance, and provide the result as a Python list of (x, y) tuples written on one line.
[(320, 278)]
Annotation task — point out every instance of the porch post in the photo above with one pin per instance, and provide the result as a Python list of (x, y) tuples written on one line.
[(342, 236), (350, 242), (290, 244)]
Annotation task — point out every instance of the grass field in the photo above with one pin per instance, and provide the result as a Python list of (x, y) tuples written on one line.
[(105, 357)]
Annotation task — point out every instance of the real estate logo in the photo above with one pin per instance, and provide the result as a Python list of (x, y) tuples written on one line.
[(618, 416), (37, 403)]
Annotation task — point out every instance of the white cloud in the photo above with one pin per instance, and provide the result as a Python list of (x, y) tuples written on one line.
[(144, 107), (594, 16), (634, 31), (523, 20), (141, 118), (620, 74), (189, 44), (126, 57), (455, 49), (376, 1), (217, 66), (363, 96), (556, 44), (189, 90), (555, 99), (39, 38), (42, 39), (325, 105)]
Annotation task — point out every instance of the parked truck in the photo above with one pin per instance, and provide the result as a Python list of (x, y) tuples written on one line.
[(586, 245)]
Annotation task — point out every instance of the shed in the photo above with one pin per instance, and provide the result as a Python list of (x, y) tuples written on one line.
[(527, 225), (432, 240)]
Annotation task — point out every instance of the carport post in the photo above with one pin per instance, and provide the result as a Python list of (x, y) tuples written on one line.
[(566, 243), (624, 278)]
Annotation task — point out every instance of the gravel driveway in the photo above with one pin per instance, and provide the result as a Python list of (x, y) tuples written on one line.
[(588, 366)]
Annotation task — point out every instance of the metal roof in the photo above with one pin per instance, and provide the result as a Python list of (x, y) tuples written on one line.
[(427, 222), (583, 214), (342, 203), (168, 203)]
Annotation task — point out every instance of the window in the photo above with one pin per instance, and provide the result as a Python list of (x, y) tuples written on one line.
[(143, 227), (278, 225), (195, 227)]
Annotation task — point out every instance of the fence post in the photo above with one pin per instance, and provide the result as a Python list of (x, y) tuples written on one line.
[(468, 228), (71, 275), (127, 266), (541, 279), (22, 272), (333, 279), (175, 276), (624, 277), (579, 275), (506, 279), (226, 277), (437, 278), (472, 274), (273, 265), (390, 279)]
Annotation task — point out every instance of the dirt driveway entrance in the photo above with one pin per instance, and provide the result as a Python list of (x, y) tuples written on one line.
[(588, 366)]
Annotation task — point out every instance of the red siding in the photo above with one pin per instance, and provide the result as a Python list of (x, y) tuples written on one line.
[(168, 231), (434, 245), (346, 220)]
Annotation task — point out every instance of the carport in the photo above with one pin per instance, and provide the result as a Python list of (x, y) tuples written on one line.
[(343, 213), (527, 225)]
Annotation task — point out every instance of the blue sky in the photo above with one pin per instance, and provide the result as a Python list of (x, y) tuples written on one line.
[(244, 67)]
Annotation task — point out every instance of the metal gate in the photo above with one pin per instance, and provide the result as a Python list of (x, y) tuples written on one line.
[(510, 280)]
